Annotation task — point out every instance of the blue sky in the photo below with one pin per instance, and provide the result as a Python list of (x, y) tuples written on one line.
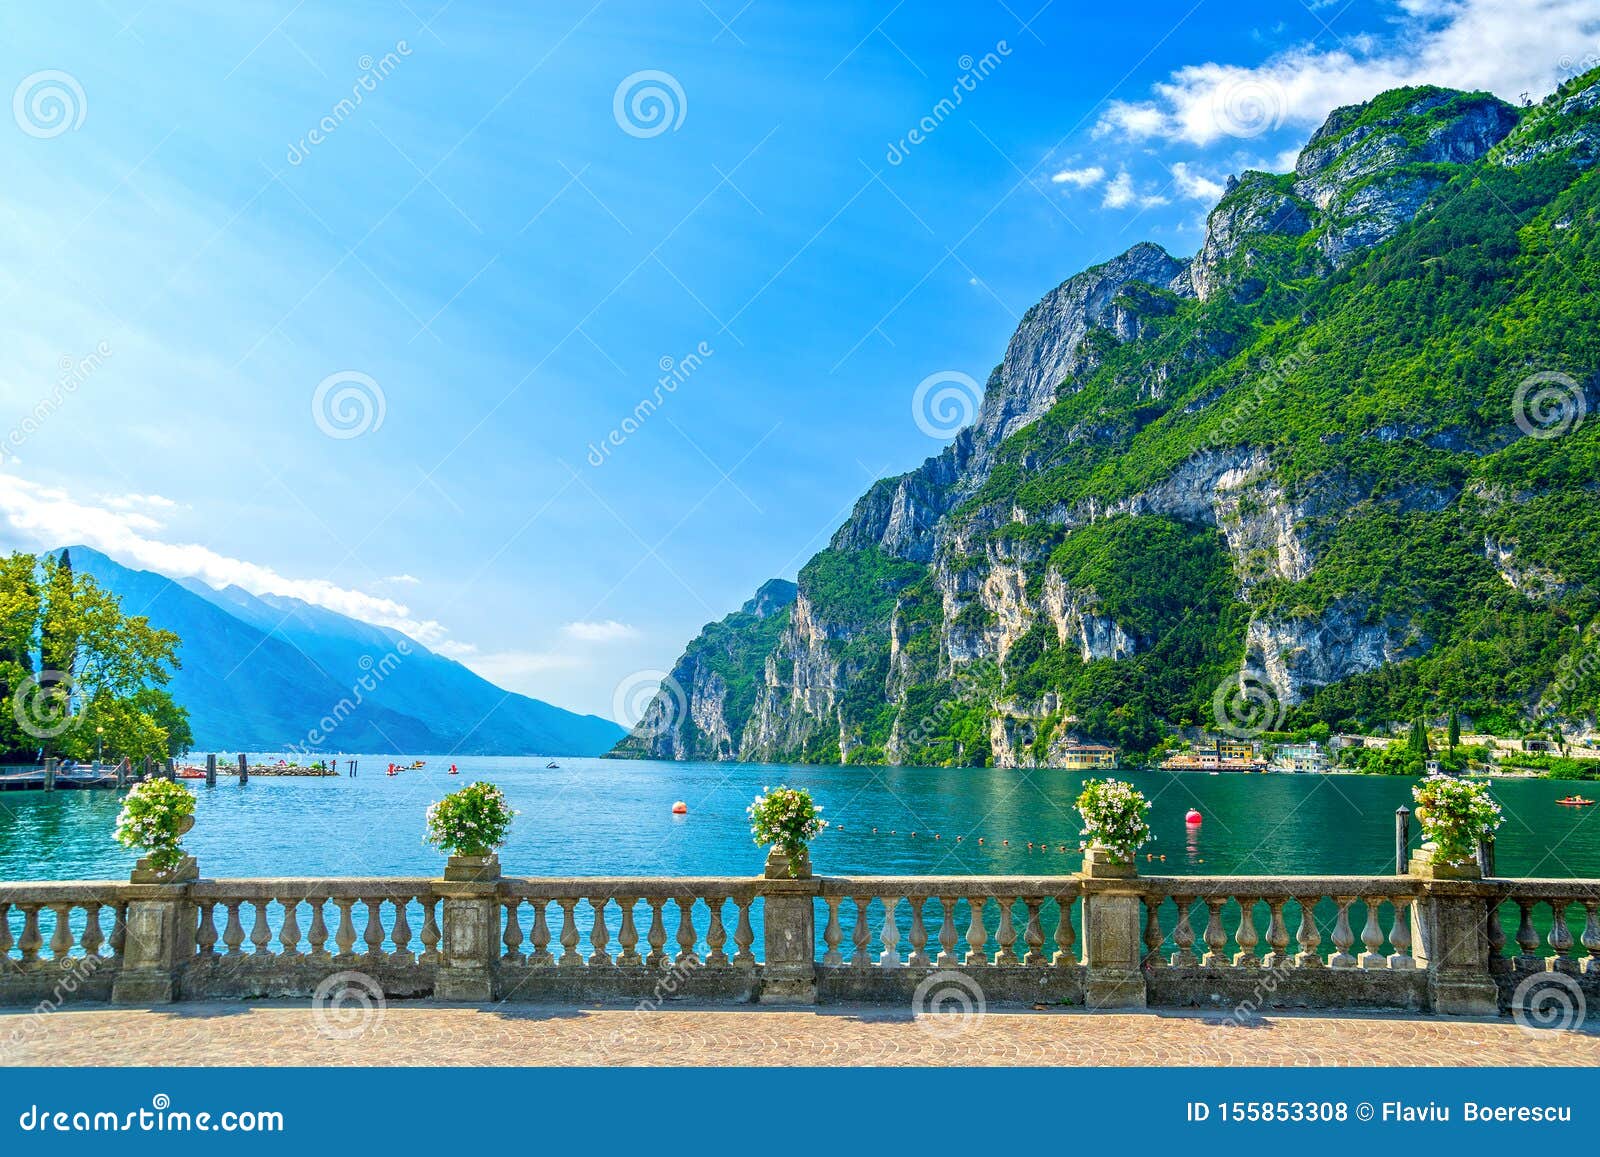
[(257, 331)]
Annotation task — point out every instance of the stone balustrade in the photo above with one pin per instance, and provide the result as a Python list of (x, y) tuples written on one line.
[(1098, 940)]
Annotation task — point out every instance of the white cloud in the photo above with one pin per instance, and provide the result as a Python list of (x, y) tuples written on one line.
[(1195, 186), (1080, 178), (51, 518), (1508, 47), (607, 631), (1121, 193), (136, 501), (511, 669), (401, 580)]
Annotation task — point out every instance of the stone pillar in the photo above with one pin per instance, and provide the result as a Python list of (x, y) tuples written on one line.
[(50, 775), (789, 936), (471, 930), (1450, 937), (159, 935), (1112, 948)]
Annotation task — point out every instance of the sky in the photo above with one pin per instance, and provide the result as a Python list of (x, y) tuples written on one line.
[(358, 302)]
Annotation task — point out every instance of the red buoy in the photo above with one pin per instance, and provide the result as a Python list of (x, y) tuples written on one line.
[(1193, 819), (680, 808)]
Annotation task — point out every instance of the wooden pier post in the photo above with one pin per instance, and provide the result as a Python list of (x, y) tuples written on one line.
[(123, 768), (244, 769), (172, 771), (1402, 840), (149, 767), (49, 775), (211, 770)]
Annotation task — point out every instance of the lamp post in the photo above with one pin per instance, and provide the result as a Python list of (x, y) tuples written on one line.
[(99, 744)]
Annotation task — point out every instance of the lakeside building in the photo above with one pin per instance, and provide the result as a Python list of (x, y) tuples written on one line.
[(1088, 757), (1301, 757), (1217, 755)]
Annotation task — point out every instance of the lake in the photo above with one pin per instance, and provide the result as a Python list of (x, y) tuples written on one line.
[(606, 817)]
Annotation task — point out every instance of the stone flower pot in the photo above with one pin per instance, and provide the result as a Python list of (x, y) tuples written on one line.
[(778, 866), (1425, 867), (185, 870), (472, 868), (1100, 864)]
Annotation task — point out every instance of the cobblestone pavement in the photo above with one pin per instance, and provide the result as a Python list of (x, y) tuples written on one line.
[(272, 1033)]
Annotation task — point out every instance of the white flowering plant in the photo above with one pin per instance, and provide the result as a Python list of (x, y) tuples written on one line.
[(1114, 818), (1455, 815), (154, 817), (470, 822), (787, 819)]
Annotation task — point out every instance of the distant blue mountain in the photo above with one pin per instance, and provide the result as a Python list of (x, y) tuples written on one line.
[(260, 672)]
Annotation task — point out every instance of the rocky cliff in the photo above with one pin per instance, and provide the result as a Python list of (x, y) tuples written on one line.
[(1336, 465)]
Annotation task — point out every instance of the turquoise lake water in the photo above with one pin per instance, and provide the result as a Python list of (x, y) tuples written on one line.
[(606, 817)]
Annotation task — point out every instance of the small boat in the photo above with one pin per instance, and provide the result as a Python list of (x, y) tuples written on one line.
[(191, 773), (1575, 801), (417, 765), (552, 766)]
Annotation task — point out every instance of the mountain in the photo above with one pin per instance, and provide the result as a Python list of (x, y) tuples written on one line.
[(1338, 467), (269, 673)]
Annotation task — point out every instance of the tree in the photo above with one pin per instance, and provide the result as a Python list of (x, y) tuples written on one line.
[(1418, 744), (1455, 729)]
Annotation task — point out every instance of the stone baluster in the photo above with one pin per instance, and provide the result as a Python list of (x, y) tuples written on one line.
[(890, 936), (1496, 931), (205, 938), (744, 936), (1400, 934), (317, 935), (1154, 937), (373, 935), (1372, 936), (1183, 935), (1245, 936), (1529, 959), (919, 935), (599, 934), (947, 934), (716, 935), (61, 935), (1005, 936), (400, 935), (430, 929), (344, 938), (656, 937), (233, 929), (93, 937), (861, 936), (570, 957), (687, 937), (1308, 935), (628, 934), (1216, 938), (1561, 938), (119, 931), (832, 933), (31, 940), (1277, 934), (1065, 935), (1343, 937), (512, 936), (977, 935), (261, 929), (539, 937), (1033, 932), (1591, 937), (6, 940), (289, 930)]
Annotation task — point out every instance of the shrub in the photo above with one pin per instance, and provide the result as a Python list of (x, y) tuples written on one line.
[(470, 822), (154, 817), (1455, 815), (1114, 818), (786, 818)]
